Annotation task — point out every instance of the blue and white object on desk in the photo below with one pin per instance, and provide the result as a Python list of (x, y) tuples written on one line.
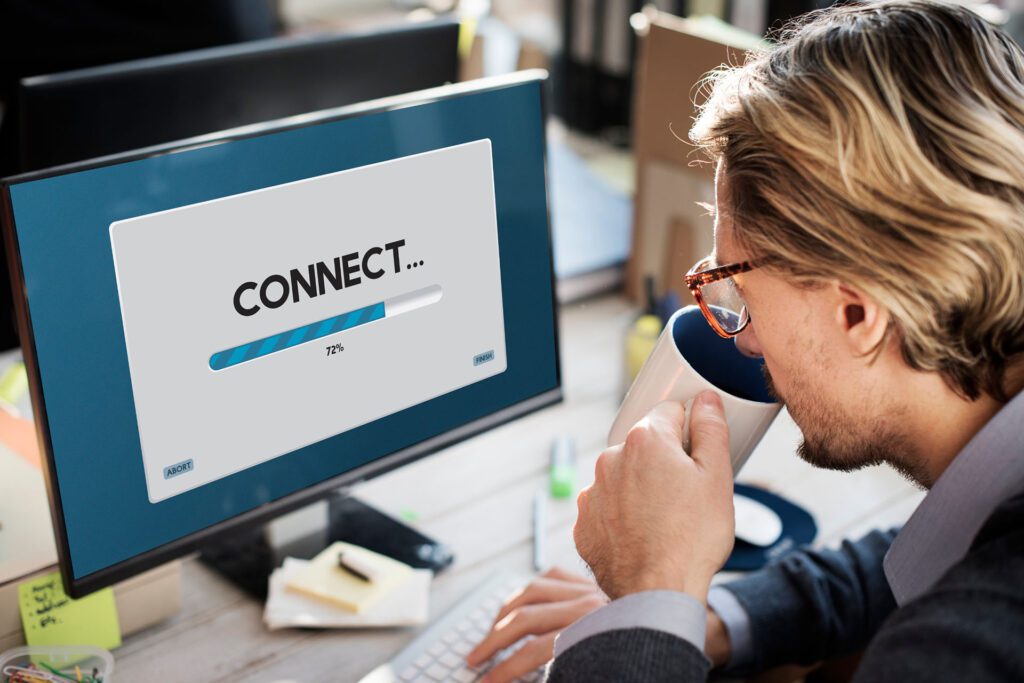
[(756, 523), (797, 529)]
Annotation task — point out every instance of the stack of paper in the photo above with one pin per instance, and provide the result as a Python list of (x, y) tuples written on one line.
[(324, 580), (318, 594)]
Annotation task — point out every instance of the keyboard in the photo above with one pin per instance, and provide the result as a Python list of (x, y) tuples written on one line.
[(438, 655)]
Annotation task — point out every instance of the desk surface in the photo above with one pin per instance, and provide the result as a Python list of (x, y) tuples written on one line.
[(479, 502)]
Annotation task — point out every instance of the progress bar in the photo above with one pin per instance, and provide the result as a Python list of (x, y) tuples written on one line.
[(389, 308)]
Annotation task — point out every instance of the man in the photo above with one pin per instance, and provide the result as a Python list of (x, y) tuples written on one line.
[(870, 182)]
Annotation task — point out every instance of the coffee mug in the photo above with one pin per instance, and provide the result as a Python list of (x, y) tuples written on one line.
[(689, 358)]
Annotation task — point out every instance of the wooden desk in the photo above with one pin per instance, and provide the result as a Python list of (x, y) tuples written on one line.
[(476, 497)]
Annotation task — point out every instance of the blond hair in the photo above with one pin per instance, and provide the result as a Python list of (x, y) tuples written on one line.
[(882, 144)]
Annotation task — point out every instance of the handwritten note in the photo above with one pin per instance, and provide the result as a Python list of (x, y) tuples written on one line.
[(50, 617)]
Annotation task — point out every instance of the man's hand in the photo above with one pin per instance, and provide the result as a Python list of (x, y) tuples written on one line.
[(655, 517), (549, 604), (717, 645)]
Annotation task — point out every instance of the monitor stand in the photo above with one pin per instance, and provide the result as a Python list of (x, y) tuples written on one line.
[(247, 557)]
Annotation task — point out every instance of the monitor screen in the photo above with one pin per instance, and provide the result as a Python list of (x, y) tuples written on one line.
[(221, 331)]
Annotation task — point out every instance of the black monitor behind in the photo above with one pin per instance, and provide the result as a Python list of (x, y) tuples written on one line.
[(94, 112), (104, 110)]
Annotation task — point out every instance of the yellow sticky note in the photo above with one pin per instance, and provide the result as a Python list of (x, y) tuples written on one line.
[(13, 383), (324, 580), (50, 617)]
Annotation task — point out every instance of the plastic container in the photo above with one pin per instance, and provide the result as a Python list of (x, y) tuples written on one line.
[(64, 658)]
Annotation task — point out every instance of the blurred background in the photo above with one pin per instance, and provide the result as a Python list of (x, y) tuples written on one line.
[(623, 75)]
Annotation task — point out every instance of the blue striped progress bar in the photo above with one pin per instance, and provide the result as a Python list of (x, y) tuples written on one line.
[(389, 308)]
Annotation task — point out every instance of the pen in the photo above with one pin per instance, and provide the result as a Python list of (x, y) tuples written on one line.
[(540, 503), (355, 567)]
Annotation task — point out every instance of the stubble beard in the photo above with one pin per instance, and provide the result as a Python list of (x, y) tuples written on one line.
[(833, 440)]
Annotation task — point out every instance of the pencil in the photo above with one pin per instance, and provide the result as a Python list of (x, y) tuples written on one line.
[(540, 525)]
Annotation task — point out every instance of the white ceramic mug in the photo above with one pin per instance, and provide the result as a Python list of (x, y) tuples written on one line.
[(689, 358)]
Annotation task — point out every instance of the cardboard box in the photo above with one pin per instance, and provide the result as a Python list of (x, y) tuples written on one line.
[(672, 175), (676, 230)]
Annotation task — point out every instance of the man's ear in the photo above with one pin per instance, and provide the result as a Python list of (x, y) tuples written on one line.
[(861, 320)]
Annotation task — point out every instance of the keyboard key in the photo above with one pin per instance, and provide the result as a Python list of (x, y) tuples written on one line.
[(441, 658), (438, 672), (450, 660)]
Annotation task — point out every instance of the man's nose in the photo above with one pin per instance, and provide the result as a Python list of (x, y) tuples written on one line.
[(747, 342)]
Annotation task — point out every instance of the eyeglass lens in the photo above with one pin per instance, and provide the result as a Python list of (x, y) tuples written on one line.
[(726, 304)]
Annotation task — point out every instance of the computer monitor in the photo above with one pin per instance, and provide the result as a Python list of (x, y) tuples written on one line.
[(221, 330), (94, 112)]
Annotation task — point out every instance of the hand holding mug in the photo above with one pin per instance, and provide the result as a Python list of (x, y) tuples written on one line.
[(656, 517)]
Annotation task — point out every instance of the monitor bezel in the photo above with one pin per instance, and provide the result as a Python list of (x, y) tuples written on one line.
[(231, 52), (78, 587)]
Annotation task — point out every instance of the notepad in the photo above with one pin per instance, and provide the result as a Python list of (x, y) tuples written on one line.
[(324, 580), (50, 617), (407, 605)]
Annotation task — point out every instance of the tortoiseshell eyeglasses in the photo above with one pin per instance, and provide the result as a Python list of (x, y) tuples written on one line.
[(718, 297)]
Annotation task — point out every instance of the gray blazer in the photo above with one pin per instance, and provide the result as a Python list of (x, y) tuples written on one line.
[(816, 605)]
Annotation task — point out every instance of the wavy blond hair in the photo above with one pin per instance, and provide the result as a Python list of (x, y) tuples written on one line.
[(883, 144)]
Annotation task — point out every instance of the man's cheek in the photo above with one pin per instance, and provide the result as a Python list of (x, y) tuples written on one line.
[(771, 380), (578, 537)]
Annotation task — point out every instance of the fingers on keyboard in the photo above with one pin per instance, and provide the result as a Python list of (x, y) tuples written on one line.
[(444, 660)]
